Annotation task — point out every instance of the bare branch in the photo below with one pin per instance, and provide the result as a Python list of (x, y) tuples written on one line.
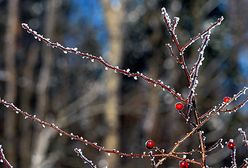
[(100, 59), (74, 137), (84, 158), (3, 161), (243, 134), (200, 35)]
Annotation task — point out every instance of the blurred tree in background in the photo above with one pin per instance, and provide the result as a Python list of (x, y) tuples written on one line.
[(105, 107)]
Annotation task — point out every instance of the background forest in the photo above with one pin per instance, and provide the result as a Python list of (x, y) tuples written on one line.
[(110, 109)]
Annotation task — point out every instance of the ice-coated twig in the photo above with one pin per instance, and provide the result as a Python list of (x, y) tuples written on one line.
[(167, 18), (215, 145), (171, 28), (84, 158), (195, 73), (244, 136), (200, 35), (233, 156), (3, 161), (186, 153), (220, 108), (235, 108), (100, 59), (152, 159), (174, 26), (245, 163)]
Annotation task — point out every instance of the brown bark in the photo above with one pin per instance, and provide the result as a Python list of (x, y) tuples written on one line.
[(10, 95), (114, 19)]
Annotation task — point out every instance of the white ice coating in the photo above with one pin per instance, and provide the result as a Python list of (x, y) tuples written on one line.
[(167, 17), (86, 160)]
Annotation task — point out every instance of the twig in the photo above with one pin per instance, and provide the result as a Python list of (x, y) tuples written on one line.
[(245, 164), (152, 159), (84, 158), (200, 35), (195, 74), (233, 156), (215, 145), (220, 107), (243, 134), (3, 160)]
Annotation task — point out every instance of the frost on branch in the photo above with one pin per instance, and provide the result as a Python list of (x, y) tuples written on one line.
[(244, 136), (100, 59), (84, 158), (3, 161)]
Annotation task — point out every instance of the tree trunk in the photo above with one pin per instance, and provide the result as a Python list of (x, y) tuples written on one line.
[(113, 17), (10, 67)]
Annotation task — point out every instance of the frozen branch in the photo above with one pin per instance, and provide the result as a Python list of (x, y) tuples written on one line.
[(215, 145), (3, 161), (152, 159), (84, 158), (244, 136), (74, 137), (195, 73), (100, 59)]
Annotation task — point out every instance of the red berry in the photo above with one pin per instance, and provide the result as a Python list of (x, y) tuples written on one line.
[(184, 164), (226, 99), (231, 144), (179, 106), (150, 144)]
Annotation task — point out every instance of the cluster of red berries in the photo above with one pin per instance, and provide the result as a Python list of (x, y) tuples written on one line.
[(184, 164)]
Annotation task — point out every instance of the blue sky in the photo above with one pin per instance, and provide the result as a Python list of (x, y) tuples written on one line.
[(91, 11)]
